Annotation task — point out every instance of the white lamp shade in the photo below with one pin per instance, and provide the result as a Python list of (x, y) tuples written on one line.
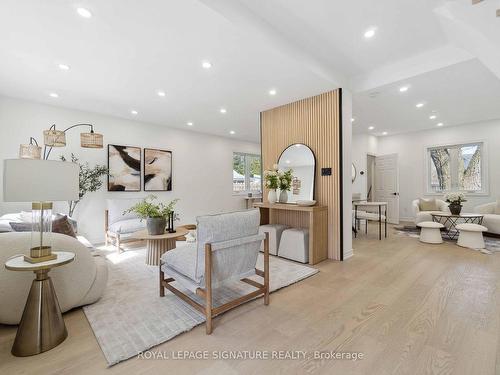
[(27, 180)]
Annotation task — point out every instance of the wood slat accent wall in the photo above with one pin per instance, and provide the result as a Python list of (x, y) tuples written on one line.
[(316, 123)]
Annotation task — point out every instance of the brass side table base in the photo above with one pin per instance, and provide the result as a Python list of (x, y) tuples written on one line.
[(42, 326)]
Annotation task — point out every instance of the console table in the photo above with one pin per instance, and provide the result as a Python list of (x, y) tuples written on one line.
[(315, 218)]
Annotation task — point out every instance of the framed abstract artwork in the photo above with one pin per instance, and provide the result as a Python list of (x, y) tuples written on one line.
[(157, 171), (124, 164)]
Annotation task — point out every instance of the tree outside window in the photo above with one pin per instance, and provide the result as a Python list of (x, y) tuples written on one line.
[(246, 173), (456, 168)]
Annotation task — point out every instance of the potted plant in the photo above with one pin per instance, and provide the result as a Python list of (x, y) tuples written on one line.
[(271, 177), (455, 200), (156, 214), (90, 180), (285, 184)]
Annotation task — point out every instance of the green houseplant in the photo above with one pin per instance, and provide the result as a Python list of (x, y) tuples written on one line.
[(285, 184), (155, 214), (89, 180)]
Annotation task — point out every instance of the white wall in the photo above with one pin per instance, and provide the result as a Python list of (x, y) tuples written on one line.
[(411, 150), (202, 164), (362, 144)]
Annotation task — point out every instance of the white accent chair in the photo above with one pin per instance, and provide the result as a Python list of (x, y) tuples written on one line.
[(491, 219), (294, 245), (275, 232), (430, 232), (226, 252), (119, 227), (421, 216), (471, 236), (79, 283)]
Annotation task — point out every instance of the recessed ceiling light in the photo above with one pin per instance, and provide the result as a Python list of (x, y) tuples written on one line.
[(134, 112), (53, 95), (161, 93), (85, 13), (353, 119), (223, 110), (384, 133), (232, 132), (440, 124), (404, 88), (371, 127), (420, 105), (63, 66), (272, 92), (288, 161), (370, 33), (206, 64), (432, 117), (189, 124)]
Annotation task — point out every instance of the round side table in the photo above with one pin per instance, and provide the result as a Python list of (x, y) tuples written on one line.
[(42, 325), (158, 244)]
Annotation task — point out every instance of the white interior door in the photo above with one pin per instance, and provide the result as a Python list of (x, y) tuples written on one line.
[(387, 185)]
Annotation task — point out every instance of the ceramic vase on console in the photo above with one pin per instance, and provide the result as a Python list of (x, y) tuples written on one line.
[(455, 209), (283, 196), (272, 197)]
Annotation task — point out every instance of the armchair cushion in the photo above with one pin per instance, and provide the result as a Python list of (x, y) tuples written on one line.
[(116, 207), (127, 226), (428, 205), (183, 260)]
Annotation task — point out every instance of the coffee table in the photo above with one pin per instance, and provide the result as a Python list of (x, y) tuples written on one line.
[(451, 221), (158, 244), (42, 325)]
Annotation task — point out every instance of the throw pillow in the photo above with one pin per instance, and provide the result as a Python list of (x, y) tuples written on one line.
[(60, 225), (20, 227), (63, 225), (428, 205)]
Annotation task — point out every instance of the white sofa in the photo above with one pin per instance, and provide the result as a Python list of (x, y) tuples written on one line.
[(421, 216), (78, 283), (491, 212), (119, 227)]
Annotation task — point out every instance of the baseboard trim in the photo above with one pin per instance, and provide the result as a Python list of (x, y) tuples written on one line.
[(348, 254)]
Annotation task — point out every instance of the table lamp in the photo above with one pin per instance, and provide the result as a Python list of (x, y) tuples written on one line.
[(40, 182)]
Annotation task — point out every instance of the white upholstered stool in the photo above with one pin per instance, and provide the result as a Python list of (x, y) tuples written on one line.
[(471, 236), (275, 231), (294, 245), (430, 232)]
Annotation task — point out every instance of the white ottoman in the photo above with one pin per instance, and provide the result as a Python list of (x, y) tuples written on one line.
[(430, 232), (275, 231), (471, 236), (294, 245)]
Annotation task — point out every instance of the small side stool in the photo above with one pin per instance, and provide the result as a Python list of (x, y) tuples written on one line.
[(275, 232), (471, 236), (294, 245), (430, 232)]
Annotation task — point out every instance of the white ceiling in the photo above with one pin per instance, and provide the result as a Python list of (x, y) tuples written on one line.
[(462, 93), (128, 50)]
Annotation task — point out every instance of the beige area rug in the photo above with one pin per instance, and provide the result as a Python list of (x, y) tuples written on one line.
[(131, 318)]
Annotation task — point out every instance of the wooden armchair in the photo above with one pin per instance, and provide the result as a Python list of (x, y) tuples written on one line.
[(227, 251)]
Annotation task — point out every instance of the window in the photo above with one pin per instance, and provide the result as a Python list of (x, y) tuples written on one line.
[(456, 168), (246, 173)]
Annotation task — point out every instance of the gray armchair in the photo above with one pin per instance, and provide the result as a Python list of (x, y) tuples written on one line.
[(227, 251)]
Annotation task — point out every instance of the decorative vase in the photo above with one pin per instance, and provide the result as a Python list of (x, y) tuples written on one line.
[(283, 196), (455, 208), (156, 225), (272, 197)]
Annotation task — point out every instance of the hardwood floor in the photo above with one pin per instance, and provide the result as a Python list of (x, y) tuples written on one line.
[(409, 308)]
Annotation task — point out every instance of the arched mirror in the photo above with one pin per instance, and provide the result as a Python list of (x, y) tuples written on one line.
[(300, 159), (354, 172)]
